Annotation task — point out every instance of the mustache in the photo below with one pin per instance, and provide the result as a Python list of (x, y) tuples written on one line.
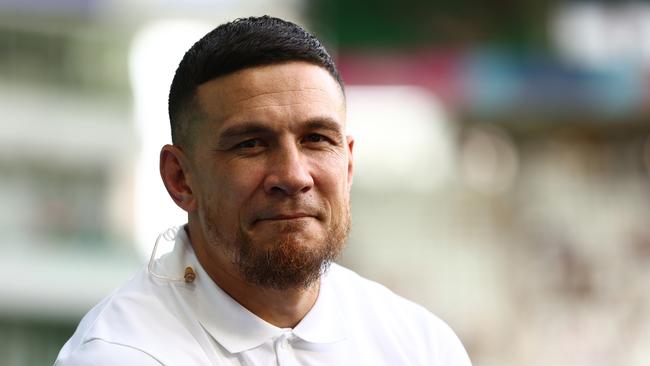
[(288, 210)]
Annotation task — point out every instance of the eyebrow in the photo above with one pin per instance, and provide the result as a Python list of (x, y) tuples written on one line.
[(325, 124), (242, 129), (252, 128)]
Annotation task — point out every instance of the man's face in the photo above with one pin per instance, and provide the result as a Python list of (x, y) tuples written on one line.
[(271, 172)]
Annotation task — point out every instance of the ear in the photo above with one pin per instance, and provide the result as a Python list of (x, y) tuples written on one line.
[(350, 141), (175, 170)]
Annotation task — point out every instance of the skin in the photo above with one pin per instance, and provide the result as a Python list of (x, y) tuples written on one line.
[(271, 162)]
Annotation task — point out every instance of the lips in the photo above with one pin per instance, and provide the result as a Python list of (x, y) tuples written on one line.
[(288, 216), (288, 211)]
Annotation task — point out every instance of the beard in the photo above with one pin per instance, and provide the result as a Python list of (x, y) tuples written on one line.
[(287, 263)]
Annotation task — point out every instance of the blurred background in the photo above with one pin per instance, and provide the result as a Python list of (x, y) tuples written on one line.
[(502, 149)]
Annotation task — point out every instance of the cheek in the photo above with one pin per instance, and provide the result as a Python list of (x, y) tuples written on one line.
[(237, 187), (331, 176), (226, 188)]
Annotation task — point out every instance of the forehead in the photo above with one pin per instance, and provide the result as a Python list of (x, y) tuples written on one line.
[(288, 92)]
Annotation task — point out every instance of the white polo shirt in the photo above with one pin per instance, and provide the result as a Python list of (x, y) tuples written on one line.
[(354, 321)]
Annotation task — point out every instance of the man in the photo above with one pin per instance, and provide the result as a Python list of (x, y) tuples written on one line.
[(262, 165)]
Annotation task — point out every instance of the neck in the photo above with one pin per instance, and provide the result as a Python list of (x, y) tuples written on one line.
[(282, 308)]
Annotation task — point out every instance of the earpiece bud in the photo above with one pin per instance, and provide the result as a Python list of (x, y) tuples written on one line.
[(189, 274)]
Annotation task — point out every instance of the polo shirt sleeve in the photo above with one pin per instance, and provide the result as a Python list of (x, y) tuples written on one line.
[(452, 352), (98, 352)]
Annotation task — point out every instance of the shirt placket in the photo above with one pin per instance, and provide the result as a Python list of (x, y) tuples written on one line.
[(284, 351)]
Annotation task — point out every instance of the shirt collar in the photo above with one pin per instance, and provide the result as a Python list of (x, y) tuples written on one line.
[(324, 322), (235, 327)]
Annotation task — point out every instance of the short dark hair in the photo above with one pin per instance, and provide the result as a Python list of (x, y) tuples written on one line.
[(233, 46)]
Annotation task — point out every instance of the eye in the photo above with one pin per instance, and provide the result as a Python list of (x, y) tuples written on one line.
[(248, 144), (314, 137)]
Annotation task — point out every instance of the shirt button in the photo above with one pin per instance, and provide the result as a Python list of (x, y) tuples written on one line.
[(284, 343)]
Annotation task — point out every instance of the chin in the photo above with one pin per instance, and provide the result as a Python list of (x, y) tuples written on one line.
[(295, 239), (303, 227)]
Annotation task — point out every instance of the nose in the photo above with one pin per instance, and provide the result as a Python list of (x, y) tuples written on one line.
[(288, 173)]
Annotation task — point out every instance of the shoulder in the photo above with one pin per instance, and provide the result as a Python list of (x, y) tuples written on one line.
[(394, 320), (99, 352), (138, 320), (367, 295)]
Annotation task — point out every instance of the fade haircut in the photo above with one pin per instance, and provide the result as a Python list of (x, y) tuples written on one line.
[(233, 46)]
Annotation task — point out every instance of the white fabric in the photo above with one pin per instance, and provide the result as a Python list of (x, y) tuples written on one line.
[(354, 321)]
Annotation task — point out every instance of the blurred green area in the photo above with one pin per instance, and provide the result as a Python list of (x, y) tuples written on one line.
[(32, 341), (408, 24)]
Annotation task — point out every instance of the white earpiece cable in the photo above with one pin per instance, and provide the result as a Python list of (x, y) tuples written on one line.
[(189, 275)]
